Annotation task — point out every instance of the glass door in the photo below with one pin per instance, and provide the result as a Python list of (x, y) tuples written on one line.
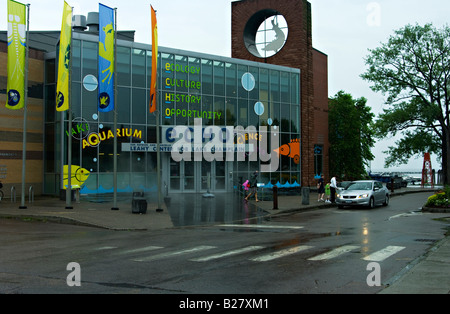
[(198, 176), (190, 177)]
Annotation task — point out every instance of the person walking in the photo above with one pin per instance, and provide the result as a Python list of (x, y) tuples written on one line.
[(333, 187), (253, 186), (321, 189)]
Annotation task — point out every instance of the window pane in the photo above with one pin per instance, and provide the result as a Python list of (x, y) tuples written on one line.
[(181, 82), (123, 105), (231, 81), (195, 85), (219, 78), (207, 84), (219, 108), (242, 92), (139, 107), (285, 118), (274, 85), (90, 59), (295, 89), (264, 85), (284, 80), (139, 68), (243, 112), (123, 66), (76, 60), (254, 94)]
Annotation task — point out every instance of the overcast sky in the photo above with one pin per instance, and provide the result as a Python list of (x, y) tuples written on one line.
[(342, 29)]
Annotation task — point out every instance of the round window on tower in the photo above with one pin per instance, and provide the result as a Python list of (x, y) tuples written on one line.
[(266, 33)]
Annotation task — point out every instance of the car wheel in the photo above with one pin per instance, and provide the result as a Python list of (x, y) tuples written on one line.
[(371, 203), (386, 201)]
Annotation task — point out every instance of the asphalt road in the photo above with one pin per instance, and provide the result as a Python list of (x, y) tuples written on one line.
[(319, 251)]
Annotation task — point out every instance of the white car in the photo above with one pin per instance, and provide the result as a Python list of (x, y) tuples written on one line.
[(363, 193)]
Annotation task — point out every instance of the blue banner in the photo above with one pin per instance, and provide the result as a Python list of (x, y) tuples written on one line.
[(106, 59)]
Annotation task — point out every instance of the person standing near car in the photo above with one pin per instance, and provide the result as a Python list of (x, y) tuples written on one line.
[(333, 186)]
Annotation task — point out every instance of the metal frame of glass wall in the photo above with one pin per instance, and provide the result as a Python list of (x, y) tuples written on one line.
[(216, 82)]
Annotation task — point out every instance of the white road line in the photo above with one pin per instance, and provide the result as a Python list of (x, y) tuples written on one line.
[(334, 253), (170, 254), (104, 248), (226, 254), (261, 226), (140, 250), (275, 255), (381, 255)]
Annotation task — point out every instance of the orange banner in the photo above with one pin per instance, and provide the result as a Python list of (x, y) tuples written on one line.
[(153, 86)]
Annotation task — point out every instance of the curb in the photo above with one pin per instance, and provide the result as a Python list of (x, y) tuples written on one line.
[(439, 210), (276, 212)]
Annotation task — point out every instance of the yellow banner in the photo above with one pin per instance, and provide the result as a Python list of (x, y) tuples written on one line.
[(153, 90), (62, 91), (16, 55)]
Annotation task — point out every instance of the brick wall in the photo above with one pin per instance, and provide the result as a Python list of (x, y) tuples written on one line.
[(320, 64)]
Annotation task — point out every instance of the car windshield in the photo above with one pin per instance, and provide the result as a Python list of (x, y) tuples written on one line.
[(360, 186)]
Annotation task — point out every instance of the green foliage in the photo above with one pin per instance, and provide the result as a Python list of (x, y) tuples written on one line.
[(413, 71), (440, 199), (350, 136)]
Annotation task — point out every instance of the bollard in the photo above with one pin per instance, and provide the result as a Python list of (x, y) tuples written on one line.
[(275, 197), (305, 196)]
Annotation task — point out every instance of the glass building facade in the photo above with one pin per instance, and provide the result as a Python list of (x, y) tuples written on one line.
[(224, 92)]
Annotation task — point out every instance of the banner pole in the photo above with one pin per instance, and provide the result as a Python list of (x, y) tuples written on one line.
[(115, 207), (69, 128), (158, 126), (25, 115)]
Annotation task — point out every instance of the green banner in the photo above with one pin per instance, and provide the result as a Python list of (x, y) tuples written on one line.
[(16, 55)]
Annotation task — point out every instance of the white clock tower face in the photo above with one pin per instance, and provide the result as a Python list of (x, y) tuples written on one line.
[(271, 36)]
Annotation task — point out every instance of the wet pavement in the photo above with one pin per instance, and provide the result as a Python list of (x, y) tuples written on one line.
[(429, 275), (195, 209), (179, 210)]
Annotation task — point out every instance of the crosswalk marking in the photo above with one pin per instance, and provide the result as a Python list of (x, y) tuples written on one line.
[(334, 253), (261, 226), (381, 255), (176, 253), (140, 250), (278, 254), (226, 254), (377, 256)]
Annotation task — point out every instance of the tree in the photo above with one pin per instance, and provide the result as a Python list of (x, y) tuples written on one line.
[(351, 136), (413, 70)]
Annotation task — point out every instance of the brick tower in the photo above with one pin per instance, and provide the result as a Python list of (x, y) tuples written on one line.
[(297, 52)]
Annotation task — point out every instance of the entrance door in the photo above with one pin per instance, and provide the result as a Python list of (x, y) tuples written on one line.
[(198, 176)]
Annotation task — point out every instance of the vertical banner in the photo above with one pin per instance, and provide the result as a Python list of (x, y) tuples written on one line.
[(62, 91), (106, 59), (16, 55), (153, 83)]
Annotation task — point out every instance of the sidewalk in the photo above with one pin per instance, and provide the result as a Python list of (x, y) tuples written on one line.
[(429, 274), (93, 214)]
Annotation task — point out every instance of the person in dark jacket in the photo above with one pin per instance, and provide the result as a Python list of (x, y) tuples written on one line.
[(253, 186), (321, 189)]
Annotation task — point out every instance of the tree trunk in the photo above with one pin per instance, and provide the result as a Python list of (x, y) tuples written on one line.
[(445, 156)]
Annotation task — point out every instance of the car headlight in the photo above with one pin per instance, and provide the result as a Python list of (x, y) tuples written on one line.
[(363, 196)]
